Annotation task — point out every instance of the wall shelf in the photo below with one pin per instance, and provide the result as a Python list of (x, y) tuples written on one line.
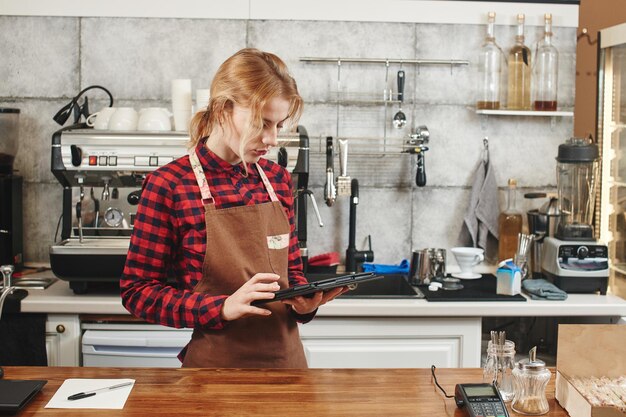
[(558, 113)]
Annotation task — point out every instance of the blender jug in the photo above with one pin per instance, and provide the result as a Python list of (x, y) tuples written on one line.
[(577, 177)]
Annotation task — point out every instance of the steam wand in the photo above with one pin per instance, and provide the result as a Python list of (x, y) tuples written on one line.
[(79, 207)]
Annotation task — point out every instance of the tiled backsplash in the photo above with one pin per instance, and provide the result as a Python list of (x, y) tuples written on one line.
[(46, 60)]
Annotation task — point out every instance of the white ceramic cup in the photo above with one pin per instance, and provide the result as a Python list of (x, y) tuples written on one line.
[(154, 119), (182, 119), (181, 95), (467, 258), (124, 118), (100, 119)]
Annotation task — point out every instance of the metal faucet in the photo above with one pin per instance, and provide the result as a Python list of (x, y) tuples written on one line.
[(353, 256), (7, 285)]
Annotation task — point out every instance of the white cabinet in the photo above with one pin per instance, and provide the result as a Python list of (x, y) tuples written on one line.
[(63, 340), (389, 342)]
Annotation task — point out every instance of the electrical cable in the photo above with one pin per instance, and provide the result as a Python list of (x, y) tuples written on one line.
[(62, 115), (432, 371)]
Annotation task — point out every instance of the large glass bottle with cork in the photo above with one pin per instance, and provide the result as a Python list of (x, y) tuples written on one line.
[(509, 225), (519, 71), (546, 69), (489, 69)]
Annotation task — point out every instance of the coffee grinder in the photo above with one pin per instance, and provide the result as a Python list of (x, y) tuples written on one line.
[(573, 259), (10, 191)]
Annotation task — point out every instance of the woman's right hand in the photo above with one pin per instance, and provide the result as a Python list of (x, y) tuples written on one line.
[(260, 287)]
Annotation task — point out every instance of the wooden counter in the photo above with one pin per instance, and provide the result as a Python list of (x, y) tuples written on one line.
[(309, 393)]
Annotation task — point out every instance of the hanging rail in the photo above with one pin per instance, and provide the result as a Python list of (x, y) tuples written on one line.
[(339, 60)]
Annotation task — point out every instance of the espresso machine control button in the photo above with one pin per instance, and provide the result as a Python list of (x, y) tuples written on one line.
[(133, 197), (93, 160), (154, 161), (582, 252), (113, 161), (103, 160), (77, 155), (142, 161)]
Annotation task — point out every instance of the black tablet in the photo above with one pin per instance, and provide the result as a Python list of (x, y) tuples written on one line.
[(322, 285), (15, 394)]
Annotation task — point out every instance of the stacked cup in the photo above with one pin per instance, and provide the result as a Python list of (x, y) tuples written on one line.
[(202, 99), (181, 104)]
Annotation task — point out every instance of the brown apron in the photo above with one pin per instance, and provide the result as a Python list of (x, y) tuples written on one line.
[(242, 241)]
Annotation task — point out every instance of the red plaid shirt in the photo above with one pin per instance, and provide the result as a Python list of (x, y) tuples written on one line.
[(169, 238)]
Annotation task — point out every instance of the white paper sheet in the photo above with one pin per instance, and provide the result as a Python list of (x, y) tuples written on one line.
[(113, 399)]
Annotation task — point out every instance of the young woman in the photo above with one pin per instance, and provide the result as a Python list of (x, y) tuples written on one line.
[(221, 222)]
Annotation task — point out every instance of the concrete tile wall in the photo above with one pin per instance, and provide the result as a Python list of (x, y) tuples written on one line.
[(46, 60)]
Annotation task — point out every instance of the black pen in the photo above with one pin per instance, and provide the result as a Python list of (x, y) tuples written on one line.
[(86, 394)]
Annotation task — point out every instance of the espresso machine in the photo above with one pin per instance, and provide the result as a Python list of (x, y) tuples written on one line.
[(102, 173), (10, 191), (573, 259)]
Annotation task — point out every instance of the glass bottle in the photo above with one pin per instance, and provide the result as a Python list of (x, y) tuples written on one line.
[(489, 70), (546, 71), (509, 225), (530, 379), (519, 65)]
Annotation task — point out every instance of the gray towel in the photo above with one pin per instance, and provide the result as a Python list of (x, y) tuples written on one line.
[(540, 289), (480, 223)]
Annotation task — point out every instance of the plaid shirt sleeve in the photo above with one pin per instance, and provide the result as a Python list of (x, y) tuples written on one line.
[(145, 292)]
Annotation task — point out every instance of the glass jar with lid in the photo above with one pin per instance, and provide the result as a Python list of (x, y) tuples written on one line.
[(530, 378), (499, 366)]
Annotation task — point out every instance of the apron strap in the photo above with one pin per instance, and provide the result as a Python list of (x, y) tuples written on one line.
[(207, 198), (266, 182)]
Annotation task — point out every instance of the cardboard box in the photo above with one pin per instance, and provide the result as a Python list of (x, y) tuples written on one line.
[(588, 350)]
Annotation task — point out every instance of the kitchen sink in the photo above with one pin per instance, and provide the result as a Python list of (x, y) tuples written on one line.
[(391, 286)]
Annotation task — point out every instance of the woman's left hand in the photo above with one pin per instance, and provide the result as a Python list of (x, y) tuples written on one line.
[(305, 305)]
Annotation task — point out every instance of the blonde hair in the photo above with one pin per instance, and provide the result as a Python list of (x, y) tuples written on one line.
[(250, 78)]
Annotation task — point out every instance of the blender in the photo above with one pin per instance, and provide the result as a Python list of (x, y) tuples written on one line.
[(573, 259), (10, 191)]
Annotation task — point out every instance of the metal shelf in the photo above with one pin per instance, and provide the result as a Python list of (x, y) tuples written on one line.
[(387, 61), (366, 146), (559, 113)]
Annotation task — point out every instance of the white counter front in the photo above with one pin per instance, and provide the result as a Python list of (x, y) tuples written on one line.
[(347, 332), (60, 299)]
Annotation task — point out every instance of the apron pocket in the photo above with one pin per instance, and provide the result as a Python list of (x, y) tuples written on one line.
[(278, 252)]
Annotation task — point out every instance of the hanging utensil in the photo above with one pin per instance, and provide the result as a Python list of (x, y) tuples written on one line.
[(330, 192), (343, 180), (399, 119)]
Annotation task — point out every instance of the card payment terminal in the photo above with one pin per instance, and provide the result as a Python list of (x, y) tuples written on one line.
[(480, 400)]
